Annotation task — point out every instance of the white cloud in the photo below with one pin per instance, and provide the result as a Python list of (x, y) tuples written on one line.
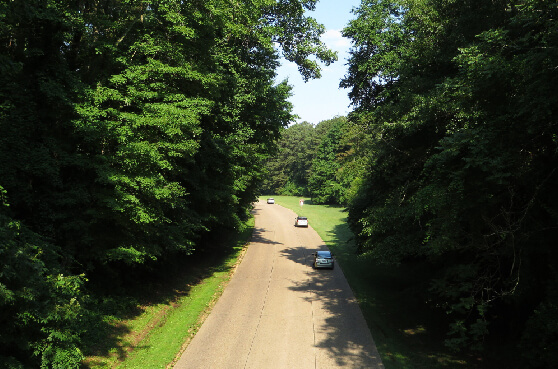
[(334, 39), (318, 100)]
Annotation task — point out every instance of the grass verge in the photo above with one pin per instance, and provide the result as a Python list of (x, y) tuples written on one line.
[(408, 334), (153, 332)]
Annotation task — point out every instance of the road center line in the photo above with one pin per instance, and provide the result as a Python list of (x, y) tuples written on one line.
[(263, 306)]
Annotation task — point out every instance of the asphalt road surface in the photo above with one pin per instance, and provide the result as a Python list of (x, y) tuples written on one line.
[(278, 312)]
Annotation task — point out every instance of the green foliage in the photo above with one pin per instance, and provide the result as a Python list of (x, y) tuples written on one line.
[(310, 161), (540, 340), (457, 100), (289, 25), (323, 184), (289, 168), (133, 131), (290, 189), (40, 308)]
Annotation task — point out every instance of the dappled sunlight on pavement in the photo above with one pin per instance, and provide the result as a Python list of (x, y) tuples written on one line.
[(279, 312)]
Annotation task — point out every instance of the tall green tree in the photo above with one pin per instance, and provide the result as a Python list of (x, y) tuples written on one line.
[(41, 308), (191, 99), (324, 185), (457, 99), (131, 129), (289, 168)]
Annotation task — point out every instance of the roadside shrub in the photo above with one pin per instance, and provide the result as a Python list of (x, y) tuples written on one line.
[(539, 343), (40, 309), (291, 189)]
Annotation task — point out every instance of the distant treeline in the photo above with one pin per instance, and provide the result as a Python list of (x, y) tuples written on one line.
[(310, 162), (129, 132), (450, 158)]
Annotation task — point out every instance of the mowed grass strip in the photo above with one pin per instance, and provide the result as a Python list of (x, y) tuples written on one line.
[(155, 337), (407, 333), (165, 341)]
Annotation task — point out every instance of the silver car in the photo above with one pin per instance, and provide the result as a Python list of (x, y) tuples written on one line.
[(323, 259), (301, 222), (271, 200)]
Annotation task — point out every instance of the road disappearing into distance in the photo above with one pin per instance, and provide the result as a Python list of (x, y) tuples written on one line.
[(278, 312)]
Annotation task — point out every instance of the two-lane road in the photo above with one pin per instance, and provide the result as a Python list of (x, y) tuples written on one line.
[(278, 312)]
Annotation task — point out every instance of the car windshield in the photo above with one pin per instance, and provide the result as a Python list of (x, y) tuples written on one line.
[(324, 254), (302, 218)]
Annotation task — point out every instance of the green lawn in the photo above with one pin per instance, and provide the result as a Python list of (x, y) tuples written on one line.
[(151, 333), (408, 335)]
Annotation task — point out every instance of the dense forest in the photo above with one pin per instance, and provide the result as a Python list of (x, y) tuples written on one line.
[(450, 159), (134, 131), (131, 131)]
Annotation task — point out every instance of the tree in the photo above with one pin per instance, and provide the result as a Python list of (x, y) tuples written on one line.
[(456, 99), (40, 307), (323, 184), (133, 129), (289, 168)]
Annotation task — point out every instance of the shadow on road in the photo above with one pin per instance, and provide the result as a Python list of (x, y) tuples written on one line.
[(343, 333), (299, 255), (258, 236)]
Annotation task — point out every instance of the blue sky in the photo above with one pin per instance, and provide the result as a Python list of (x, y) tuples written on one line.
[(322, 99)]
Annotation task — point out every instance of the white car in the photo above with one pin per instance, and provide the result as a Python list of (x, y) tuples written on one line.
[(271, 200), (323, 259), (301, 222)]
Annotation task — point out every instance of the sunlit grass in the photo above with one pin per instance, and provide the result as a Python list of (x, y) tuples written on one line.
[(154, 337), (328, 221), (406, 334), (163, 343)]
